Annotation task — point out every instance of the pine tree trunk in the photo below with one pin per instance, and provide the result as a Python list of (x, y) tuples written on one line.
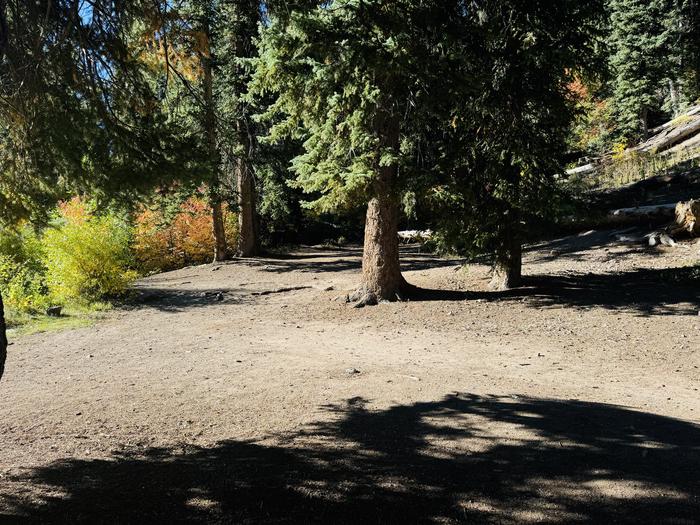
[(219, 231), (3, 339), (644, 122), (381, 270), (673, 93), (248, 242), (507, 268)]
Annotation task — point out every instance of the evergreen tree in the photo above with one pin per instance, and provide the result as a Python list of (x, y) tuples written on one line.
[(507, 144), (77, 107), (206, 32), (238, 49), (361, 83), (203, 52), (688, 25), (642, 43)]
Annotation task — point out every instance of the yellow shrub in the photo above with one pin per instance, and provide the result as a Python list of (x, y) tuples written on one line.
[(88, 257), (618, 150), (22, 273)]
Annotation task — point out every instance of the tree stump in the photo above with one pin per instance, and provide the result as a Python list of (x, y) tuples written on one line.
[(688, 217)]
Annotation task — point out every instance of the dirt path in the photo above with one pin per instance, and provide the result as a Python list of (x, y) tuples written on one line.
[(247, 393)]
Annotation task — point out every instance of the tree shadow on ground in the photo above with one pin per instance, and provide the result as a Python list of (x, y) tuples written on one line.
[(176, 300), (670, 291), (461, 459), (349, 259), (577, 247)]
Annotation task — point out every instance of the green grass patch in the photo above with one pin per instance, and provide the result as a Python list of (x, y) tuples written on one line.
[(21, 324)]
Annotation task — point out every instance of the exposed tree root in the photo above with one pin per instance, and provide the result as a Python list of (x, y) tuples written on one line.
[(363, 297)]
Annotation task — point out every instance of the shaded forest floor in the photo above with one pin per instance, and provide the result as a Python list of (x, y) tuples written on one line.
[(247, 392)]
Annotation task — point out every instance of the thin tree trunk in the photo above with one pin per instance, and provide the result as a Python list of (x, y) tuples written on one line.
[(3, 339), (248, 241), (507, 266), (218, 229), (217, 215), (673, 92), (644, 122)]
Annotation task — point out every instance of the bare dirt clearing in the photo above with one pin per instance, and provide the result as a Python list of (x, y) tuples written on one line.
[(246, 392)]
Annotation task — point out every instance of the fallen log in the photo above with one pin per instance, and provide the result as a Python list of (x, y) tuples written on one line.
[(408, 236), (684, 218), (642, 213), (674, 136), (583, 170), (692, 111), (688, 144), (670, 137)]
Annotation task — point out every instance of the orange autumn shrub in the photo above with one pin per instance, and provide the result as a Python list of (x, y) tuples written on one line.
[(77, 210), (183, 240)]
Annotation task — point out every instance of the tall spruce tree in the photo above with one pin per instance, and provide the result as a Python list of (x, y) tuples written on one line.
[(507, 145), (205, 30), (688, 25), (642, 42), (362, 83), (238, 49), (204, 48)]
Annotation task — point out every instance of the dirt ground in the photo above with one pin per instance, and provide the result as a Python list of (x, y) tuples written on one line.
[(246, 392)]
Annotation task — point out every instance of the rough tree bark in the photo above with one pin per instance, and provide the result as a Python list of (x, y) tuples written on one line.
[(248, 241), (381, 270), (219, 231), (688, 217), (218, 228), (3, 339), (507, 267)]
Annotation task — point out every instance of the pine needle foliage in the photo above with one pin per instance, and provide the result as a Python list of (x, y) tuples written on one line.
[(77, 106), (503, 153), (350, 74)]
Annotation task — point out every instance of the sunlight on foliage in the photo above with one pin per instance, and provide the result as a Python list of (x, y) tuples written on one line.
[(22, 271), (87, 255), (165, 243)]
